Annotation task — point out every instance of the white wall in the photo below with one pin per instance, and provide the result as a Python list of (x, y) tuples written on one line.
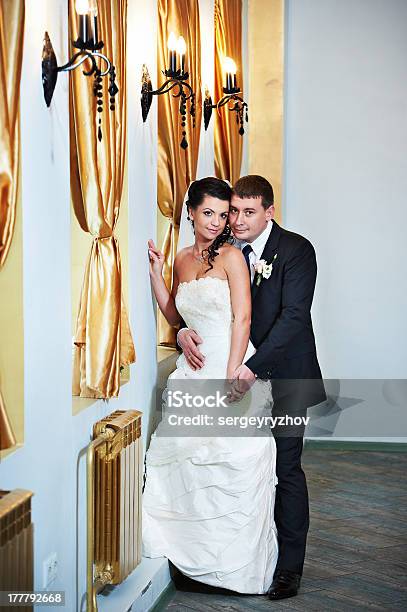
[(206, 145), (244, 170), (346, 178)]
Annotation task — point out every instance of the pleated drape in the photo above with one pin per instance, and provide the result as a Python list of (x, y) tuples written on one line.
[(12, 14), (11, 55), (103, 340), (176, 166), (7, 437), (228, 43)]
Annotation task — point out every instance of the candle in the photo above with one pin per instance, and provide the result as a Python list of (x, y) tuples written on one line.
[(172, 57), (93, 14), (181, 50), (82, 8), (229, 67)]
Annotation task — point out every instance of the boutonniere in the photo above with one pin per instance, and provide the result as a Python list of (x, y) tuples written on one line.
[(263, 269)]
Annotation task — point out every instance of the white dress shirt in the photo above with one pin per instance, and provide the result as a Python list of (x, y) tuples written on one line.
[(258, 246)]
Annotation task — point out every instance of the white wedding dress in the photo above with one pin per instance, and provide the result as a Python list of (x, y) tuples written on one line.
[(208, 503)]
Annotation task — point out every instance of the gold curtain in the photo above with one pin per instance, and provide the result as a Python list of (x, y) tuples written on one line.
[(11, 55), (103, 341), (228, 43), (7, 438), (176, 166)]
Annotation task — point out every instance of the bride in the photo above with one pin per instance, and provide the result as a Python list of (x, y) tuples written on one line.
[(208, 503)]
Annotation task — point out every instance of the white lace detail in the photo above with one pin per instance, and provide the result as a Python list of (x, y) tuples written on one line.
[(205, 305)]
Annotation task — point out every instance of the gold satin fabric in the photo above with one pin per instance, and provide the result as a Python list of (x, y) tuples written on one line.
[(11, 55), (103, 341), (176, 167), (228, 43), (7, 438), (12, 14)]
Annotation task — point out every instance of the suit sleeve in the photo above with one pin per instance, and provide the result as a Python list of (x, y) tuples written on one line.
[(297, 292)]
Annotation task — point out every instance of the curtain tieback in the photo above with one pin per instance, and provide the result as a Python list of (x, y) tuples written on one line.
[(173, 223), (112, 236)]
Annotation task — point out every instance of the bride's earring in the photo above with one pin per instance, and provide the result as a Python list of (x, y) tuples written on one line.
[(191, 220)]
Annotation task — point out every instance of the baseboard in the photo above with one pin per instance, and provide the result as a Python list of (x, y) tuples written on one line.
[(360, 445), (141, 590)]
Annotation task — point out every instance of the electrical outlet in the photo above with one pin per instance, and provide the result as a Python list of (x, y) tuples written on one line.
[(50, 570)]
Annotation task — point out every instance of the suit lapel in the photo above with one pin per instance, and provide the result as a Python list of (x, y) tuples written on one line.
[(268, 252)]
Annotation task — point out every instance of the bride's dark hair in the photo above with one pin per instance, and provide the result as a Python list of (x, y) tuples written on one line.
[(210, 186)]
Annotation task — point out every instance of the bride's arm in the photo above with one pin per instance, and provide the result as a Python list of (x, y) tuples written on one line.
[(165, 300), (239, 283)]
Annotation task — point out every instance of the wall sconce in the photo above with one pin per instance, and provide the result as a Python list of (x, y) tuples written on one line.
[(176, 77), (89, 47), (239, 106)]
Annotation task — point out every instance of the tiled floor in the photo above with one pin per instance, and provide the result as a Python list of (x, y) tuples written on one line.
[(357, 546)]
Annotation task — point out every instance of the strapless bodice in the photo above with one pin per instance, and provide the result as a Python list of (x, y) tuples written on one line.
[(205, 305)]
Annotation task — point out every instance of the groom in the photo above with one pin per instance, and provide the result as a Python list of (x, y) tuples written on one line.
[(281, 331)]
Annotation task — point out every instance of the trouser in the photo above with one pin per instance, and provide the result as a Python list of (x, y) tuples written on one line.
[(291, 506)]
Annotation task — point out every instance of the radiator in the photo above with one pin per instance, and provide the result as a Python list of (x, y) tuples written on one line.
[(16, 543), (114, 472)]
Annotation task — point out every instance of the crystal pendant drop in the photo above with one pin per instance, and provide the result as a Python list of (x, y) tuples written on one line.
[(113, 89)]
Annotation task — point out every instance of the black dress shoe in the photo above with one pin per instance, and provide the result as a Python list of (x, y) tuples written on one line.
[(285, 584)]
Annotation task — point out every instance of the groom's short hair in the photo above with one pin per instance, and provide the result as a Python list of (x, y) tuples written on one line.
[(255, 186)]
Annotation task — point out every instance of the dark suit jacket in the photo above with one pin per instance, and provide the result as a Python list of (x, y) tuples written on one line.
[(281, 328)]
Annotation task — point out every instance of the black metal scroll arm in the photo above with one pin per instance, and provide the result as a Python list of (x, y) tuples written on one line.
[(50, 67), (240, 107), (185, 93)]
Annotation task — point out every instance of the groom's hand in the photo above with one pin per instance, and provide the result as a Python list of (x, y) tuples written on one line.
[(189, 340)]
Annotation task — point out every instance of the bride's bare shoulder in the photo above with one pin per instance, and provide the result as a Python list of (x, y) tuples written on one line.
[(181, 258), (230, 252), (183, 253), (232, 260)]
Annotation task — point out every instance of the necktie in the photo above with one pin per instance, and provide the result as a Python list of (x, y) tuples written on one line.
[(246, 252)]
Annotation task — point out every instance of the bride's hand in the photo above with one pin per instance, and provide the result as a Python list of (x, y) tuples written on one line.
[(232, 395), (156, 259), (231, 373), (241, 381)]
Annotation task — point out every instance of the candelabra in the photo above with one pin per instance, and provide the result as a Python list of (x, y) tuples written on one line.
[(177, 77), (89, 46), (235, 102)]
